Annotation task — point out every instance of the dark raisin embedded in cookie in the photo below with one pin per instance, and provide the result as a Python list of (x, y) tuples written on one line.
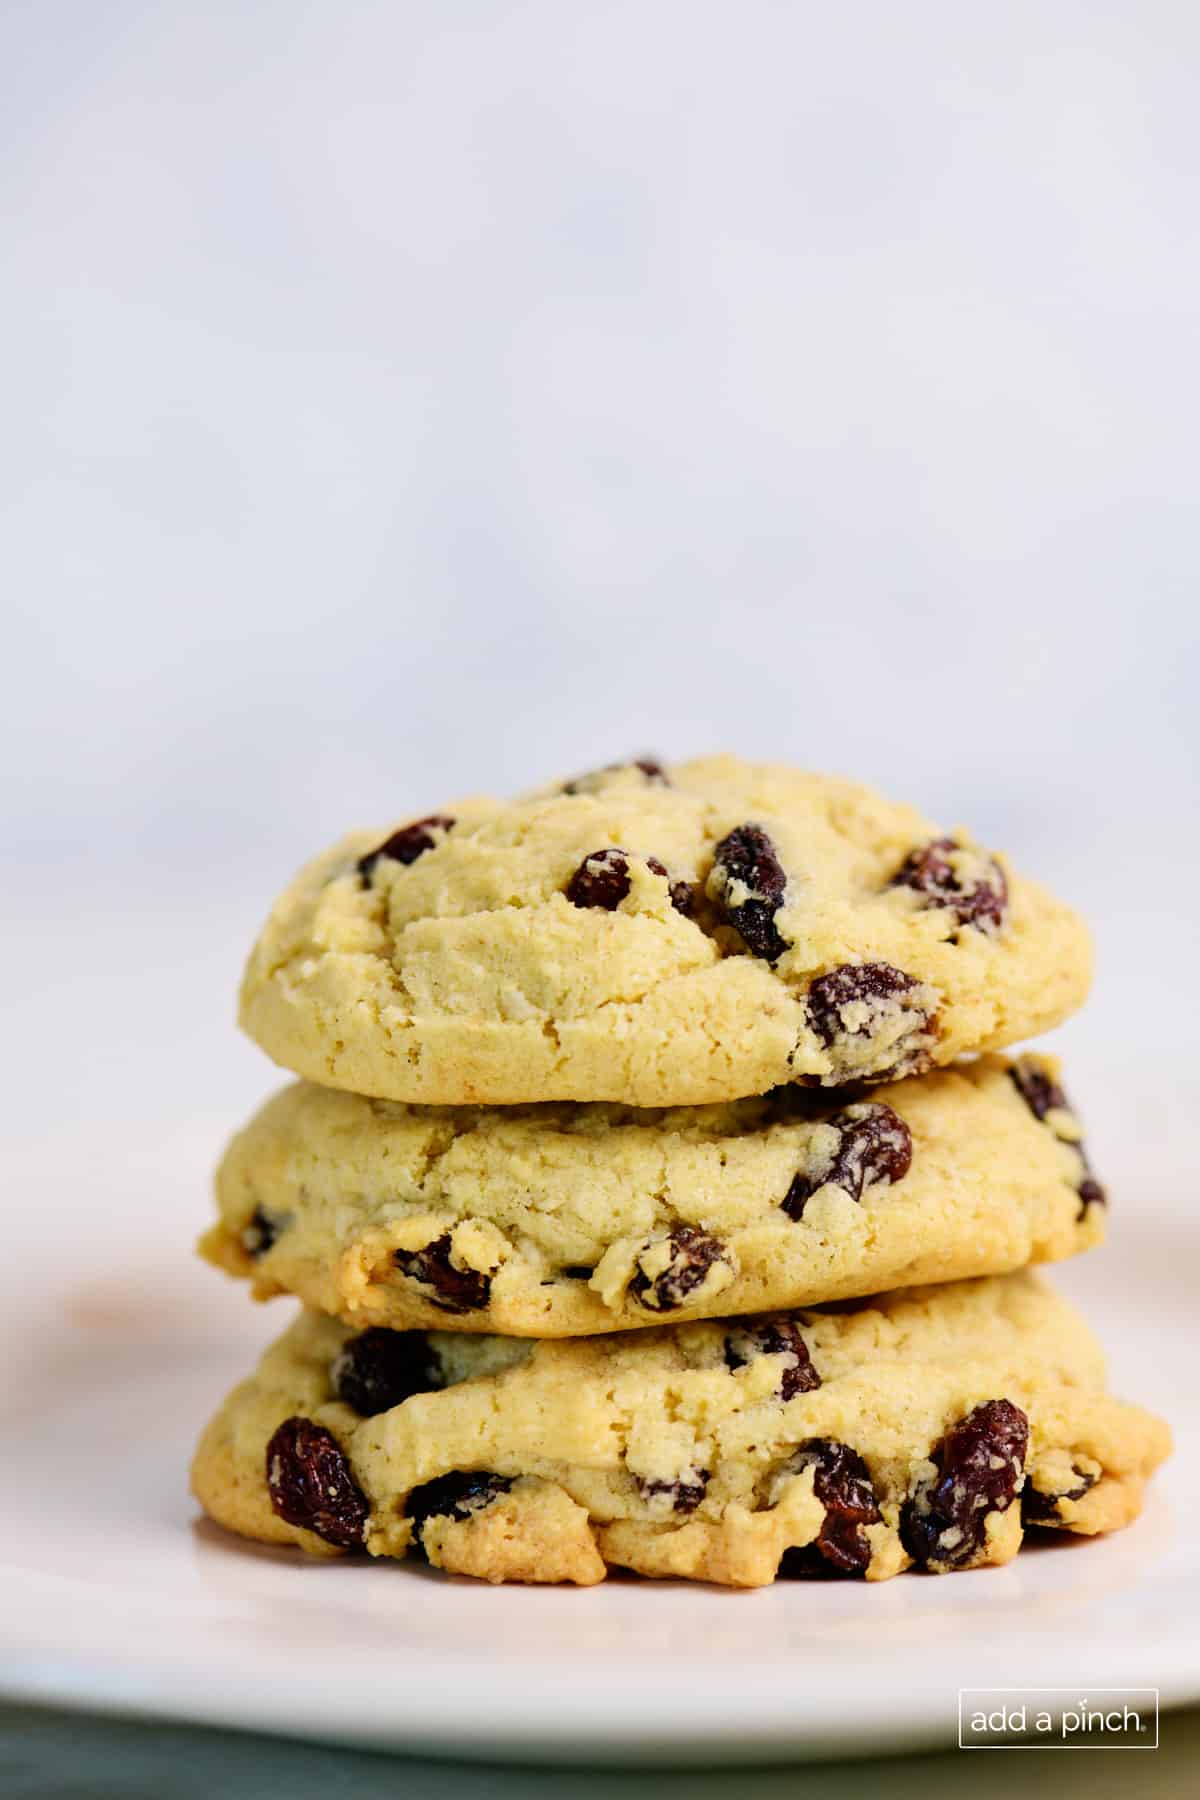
[(379, 1369), (979, 1467), (459, 1495), (310, 1483), (747, 885), (774, 1337), (683, 894), (684, 1495), (862, 1004), (1044, 1097), (1090, 1191), (874, 1146), (842, 1483), (1040, 1094), (455, 1290), (1041, 1508), (964, 882), (691, 1254), (260, 1231), (650, 769), (602, 879), (405, 845)]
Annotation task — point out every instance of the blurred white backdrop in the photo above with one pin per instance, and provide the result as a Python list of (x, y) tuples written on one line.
[(409, 399)]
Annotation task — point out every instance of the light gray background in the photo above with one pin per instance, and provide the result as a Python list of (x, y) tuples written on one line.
[(404, 399)]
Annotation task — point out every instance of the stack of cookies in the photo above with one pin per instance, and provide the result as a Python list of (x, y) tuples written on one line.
[(656, 1199)]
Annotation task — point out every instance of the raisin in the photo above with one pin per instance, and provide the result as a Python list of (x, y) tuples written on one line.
[(842, 1483), (1038, 1508), (747, 884), (457, 1290), (775, 1337), (458, 1495), (310, 1483), (1090, 1191), (692, 1254), (602, 879), (684, 898), (1044, 1096), (1040, 1094), (857, 1000), (648, 767), (260, 1232), (683, 894), (380, 1368), (685, 1496), (979, 1464), (874, 1146), (975, 891), (808, 1562), (405, 845)]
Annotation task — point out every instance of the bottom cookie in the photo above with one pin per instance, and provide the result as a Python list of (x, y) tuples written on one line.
[(927, 1428)]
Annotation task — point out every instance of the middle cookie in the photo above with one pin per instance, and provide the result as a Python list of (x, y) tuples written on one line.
[(566, 1220)]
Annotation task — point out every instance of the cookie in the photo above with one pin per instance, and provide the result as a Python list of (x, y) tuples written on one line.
[(921, 1429), (562, 1220), (656, 939)]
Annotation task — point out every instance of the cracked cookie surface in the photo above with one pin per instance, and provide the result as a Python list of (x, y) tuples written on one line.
[(562, 1220), (919, 1429), (655, 937)]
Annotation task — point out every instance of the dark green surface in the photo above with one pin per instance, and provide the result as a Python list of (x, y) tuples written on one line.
[(74, 1756)]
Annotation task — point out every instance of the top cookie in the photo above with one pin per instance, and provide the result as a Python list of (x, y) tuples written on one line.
[(656, 938)]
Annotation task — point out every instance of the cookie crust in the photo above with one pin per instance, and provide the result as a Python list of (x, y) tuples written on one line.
[(668, 1453), (562, 1221), (628, 938)]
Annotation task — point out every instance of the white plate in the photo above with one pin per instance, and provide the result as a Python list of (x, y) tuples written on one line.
[(115, 1595)]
